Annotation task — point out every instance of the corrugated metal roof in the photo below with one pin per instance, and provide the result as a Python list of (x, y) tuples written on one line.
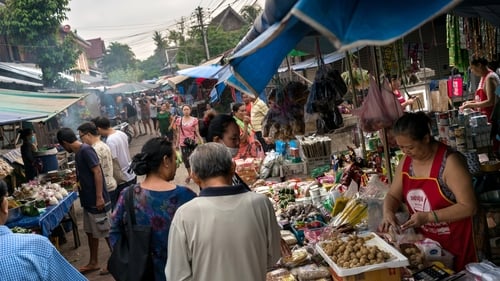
[(35, 104), (7, 117), (5, 79)]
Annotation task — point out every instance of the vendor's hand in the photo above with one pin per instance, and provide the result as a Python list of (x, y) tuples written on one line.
[(390, 224), (285, 249), (99, 203), (466, 104), (416, 220)]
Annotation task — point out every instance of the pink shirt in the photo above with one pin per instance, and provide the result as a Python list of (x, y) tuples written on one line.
[(188, 129)]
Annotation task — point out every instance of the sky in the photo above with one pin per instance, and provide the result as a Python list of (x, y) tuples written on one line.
[(133, 22)]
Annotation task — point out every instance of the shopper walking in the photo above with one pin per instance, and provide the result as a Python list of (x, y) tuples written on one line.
[(165, 122), (187, 128), (195, 253), (156, 199)]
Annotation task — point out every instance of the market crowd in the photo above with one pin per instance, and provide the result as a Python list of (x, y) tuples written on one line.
[(226, 232)]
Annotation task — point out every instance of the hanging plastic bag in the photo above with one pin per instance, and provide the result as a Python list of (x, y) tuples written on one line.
[(379, 109)]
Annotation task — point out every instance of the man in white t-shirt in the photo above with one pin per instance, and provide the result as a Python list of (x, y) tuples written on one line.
[(118, 144)]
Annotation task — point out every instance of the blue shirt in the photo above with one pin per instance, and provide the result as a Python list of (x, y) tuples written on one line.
[(32, 257)]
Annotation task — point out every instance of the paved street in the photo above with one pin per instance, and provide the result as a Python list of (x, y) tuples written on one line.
[(79, 257)]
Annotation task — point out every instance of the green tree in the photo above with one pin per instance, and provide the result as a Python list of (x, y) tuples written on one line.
[(124, 75), (175, 37), (250, 12), (35, 25), (219, 41), (118, 56), (151, 67), (161, 46)]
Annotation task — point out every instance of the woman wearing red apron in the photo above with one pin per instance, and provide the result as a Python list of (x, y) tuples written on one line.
[(484, 100), (436, 187)]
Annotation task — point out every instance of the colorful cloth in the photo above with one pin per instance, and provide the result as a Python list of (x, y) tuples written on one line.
[(154, 208)]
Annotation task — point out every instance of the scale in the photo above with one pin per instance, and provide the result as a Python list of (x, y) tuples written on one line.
[(432, 273)]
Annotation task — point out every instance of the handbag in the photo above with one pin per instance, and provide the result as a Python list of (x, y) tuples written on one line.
[(131, 257), (188, 142)]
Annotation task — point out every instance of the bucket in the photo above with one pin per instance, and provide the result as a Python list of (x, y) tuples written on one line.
[(49, 160)]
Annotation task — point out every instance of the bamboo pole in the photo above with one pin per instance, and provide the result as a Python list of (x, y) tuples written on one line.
[(355, 101)]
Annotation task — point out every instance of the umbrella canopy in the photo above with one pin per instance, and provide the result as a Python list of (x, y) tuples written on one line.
[(346, 24), (130, 88), (201, 71)]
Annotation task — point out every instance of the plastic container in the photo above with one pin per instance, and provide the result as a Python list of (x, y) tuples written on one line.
[(49, 160)]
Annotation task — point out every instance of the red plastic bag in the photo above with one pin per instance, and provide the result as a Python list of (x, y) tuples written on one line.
[(379, 109)]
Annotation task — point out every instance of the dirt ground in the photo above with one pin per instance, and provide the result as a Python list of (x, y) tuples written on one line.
[(80, 256)]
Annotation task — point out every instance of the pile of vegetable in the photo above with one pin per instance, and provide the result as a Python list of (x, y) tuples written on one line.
[(51, 193)]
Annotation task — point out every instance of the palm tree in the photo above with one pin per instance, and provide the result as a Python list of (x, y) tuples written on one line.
[(161, 46)]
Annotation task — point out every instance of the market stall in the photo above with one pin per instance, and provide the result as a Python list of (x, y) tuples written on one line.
[(41, 207), (334, 235)]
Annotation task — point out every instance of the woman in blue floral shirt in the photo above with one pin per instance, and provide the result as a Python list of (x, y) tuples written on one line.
[(155, 199)]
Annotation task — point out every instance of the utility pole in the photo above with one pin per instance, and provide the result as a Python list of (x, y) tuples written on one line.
[(181, 25), (199, 15)]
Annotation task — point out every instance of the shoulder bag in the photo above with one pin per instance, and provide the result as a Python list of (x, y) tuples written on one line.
[(131, 258)]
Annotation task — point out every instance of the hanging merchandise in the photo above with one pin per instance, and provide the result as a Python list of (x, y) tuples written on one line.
[(285, 118), (458, 55), (326, 95), (379, 109)]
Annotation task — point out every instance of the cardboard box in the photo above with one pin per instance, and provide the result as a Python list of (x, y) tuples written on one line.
[(293, 169), (388, 274)]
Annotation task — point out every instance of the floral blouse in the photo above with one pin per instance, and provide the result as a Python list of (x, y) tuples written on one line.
[(155, 208)]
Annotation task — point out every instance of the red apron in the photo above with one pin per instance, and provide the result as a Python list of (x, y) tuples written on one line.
[(481, 95), (424, 195)]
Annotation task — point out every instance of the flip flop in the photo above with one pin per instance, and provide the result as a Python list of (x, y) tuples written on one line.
[(103, 272), (86, 269)]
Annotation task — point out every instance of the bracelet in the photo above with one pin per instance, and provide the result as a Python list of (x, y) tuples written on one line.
[(436, 219)]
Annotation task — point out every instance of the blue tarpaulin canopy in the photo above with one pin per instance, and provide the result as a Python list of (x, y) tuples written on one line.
[(346, 24)]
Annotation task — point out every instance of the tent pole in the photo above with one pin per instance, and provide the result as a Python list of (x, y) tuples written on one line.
[(355, 102), (387, 156), (288, 64)]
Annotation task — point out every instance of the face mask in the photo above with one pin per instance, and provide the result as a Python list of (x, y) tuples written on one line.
[(234, 151)]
